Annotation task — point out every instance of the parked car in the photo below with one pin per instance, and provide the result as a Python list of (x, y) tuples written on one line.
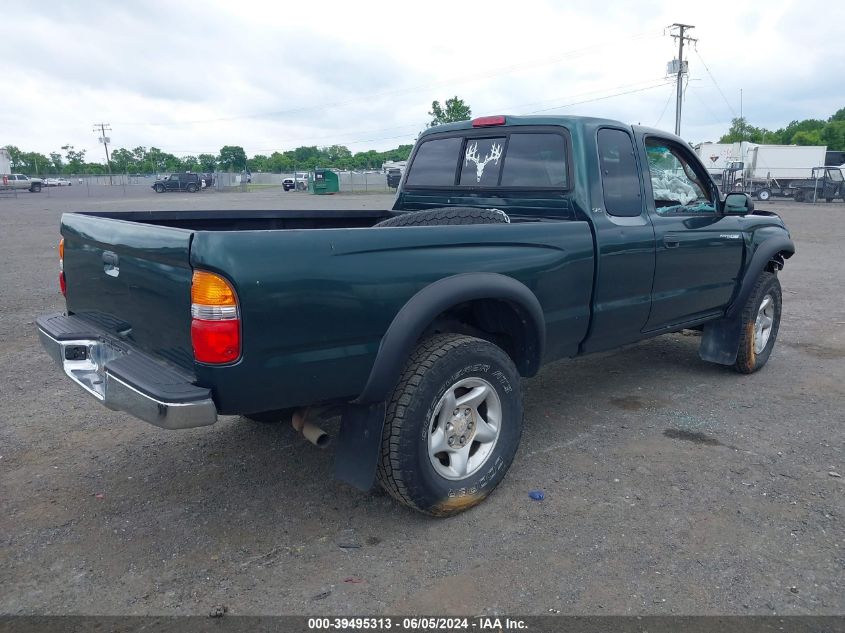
[(298, 181), (57, 182), (418, 323), (21, 181), (178, 182)]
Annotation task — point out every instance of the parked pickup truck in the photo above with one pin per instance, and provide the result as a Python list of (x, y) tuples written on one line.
[(513, 242), (21, 181)]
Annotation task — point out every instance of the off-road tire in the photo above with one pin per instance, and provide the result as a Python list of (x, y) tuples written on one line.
[(447, 215), (747, 360), (437, 364)]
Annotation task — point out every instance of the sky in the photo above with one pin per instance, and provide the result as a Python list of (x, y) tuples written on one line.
[(191, 77)]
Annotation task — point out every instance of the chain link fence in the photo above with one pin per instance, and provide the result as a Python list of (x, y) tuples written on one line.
[(141, 185)]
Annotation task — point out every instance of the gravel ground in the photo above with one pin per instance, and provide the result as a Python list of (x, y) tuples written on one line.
[(672, 486)]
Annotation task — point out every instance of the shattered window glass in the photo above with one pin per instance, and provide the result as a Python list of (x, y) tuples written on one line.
[(676, 186)]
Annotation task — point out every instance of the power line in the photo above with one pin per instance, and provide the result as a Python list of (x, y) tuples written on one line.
[(366, 97), (619, 94), (715, 83), (665, 107)]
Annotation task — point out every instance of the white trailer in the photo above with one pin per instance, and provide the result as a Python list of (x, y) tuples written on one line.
[(5, 162), (765, 170)]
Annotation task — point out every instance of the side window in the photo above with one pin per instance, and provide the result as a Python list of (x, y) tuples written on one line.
[(435, 162), (677, 188), (482, 161), (620, 179), (535, 160)]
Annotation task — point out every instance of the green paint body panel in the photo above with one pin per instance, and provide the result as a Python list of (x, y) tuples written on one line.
[(317, 290)]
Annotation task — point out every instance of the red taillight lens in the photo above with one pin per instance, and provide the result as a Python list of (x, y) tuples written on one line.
[(216, 341), (215, 323), (62, 283), (488, 121)]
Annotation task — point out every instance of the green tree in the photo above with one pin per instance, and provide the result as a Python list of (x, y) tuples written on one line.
[(123, 161), (807, 138), (455, 110), (232, 158), (75, 160), (58, 163), (190, 163), (833, 134), (208, 162)]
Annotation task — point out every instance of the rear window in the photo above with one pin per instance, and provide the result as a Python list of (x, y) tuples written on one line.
[(435, 163), (535, 160), (511, 160)]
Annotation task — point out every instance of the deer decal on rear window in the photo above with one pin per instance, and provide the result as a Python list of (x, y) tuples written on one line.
[(471, 156)]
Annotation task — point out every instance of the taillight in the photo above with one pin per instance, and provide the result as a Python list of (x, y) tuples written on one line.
[(215, 319), (62, 283), (488, 121)]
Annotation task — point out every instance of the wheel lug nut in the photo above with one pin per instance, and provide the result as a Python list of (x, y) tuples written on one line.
[(451, 441), (463, 439)]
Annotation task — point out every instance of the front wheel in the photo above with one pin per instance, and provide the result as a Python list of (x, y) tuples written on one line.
[(159, 188), (453, 425), (764, 194), (35, 188), (760, 324)]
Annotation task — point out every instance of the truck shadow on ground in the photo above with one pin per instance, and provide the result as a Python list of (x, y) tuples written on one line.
[(241, 468)]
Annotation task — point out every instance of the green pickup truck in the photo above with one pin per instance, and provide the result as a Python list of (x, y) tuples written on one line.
[(513, 242)]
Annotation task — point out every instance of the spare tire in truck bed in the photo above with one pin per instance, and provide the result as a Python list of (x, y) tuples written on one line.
[(447, 215)]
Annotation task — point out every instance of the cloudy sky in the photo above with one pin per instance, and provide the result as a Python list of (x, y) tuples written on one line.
[(191, 77)]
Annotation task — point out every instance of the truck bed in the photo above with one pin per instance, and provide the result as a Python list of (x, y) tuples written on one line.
[(314, 304)]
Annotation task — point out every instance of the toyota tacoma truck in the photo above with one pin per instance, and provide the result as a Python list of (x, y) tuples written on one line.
[(513, 242)]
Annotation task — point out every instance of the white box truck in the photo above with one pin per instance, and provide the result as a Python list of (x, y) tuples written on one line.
[(760, 170)]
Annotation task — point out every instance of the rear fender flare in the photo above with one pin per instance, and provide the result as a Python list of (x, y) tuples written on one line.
[(419, 312)]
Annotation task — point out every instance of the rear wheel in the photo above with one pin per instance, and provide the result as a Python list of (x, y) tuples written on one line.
[(760, 324), (452, 426), (192, 188)]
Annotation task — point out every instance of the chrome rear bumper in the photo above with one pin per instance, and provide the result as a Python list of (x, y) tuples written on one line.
[(139, 386)]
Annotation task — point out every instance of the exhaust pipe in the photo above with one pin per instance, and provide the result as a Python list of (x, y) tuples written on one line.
[(311, 432)]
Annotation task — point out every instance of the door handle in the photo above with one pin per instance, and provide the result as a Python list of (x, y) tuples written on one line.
[(671, 242)]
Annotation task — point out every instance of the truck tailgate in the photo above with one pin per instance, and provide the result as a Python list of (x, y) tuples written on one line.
[(133, 280)]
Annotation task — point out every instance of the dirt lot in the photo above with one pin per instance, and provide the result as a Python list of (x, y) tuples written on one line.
[(672, 486)]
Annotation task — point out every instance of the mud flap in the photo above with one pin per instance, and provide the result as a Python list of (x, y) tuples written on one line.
[(359, 443), (720, 341)]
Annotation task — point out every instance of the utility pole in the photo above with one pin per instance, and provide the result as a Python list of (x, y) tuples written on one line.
[(102, 128), (679, 32)]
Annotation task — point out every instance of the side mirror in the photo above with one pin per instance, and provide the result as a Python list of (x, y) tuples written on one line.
[(737, 204)]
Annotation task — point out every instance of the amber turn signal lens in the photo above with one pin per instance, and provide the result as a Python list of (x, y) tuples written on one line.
[(211, 290)]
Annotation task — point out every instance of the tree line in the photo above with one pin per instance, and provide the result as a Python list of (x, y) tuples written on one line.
[(152, 160), (830, 132)]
